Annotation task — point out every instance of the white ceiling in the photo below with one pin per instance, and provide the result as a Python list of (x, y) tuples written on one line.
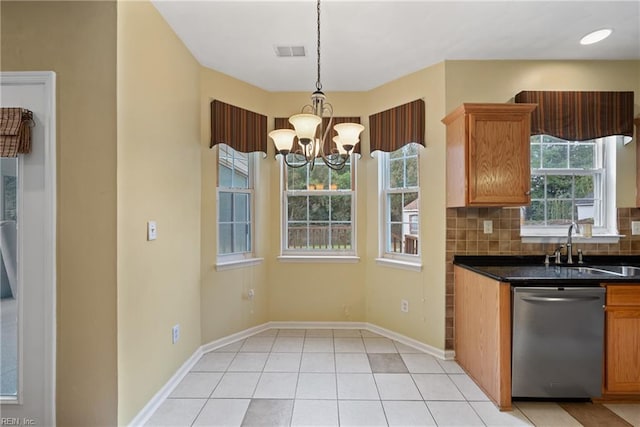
[(368, 43)]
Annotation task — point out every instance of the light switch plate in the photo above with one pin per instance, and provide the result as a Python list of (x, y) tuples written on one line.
[(175, 334), (152, 230), (635, 228)]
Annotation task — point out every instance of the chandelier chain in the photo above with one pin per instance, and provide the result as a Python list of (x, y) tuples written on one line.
[(313, 135), (318, 83)]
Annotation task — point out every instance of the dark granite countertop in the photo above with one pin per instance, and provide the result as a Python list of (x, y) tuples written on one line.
[(531, 270)]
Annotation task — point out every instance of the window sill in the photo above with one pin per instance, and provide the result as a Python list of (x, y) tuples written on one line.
[(347, 259), (231, 265), (562, 239), (400, 264)]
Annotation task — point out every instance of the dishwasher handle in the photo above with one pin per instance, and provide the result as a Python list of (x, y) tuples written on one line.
[(560, 299)]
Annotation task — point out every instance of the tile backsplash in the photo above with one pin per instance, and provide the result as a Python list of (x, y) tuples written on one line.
[(465, 236)]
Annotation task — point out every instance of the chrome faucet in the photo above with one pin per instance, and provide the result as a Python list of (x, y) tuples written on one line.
[(557, 254), (569, 243)]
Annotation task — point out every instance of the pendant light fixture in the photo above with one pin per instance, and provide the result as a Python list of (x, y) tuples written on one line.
[(312, 136)]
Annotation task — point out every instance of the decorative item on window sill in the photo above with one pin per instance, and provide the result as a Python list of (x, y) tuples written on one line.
[(15, 131), (312, 137)]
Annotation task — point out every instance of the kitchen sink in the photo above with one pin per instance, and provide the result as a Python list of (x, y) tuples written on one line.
[(618, 270), (625, 270), (594, 271)]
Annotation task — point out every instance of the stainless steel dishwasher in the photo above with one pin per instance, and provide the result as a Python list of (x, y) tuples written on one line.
[(557, 342)]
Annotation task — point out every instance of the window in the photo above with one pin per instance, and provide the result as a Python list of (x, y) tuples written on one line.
[(400, 195), (571, 182), (318, 210), (235, 204)]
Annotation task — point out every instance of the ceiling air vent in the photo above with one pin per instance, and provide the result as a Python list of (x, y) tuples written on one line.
[(289, 51)]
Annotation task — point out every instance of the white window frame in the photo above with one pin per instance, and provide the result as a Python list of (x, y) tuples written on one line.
[(386, 257), (607, 232), (305, 255), (237, 259)]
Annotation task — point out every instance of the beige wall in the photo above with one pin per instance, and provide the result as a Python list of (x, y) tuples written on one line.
[(77, 40), (386, 286), (225, 307), (283, 291), (158, 179), (304, 291)]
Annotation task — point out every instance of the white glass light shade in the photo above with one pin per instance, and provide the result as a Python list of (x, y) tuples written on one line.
[(338, 142), (282, 139), (349, 133), (305, 125)]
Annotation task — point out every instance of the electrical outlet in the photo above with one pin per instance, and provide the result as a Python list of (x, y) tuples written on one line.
[(488, 226), (635, 227), (175, 334), (250, 294), (404, 306), (347, 311)]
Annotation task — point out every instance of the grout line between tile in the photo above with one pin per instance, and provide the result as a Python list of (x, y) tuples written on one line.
[(200, 411)]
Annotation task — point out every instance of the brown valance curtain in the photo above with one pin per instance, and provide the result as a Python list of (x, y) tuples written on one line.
[(579, 116), (398, 126), (283, 123), (15, 131), (240, 129)]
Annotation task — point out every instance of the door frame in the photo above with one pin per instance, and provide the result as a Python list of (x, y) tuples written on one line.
[(46, 79)]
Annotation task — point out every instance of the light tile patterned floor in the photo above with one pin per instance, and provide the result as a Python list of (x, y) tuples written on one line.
[(346, 377)]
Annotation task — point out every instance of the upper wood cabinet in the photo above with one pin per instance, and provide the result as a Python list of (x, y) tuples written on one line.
[(488, 155)]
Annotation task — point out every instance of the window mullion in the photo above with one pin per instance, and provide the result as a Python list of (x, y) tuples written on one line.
[(404, 170), (546, 200), (233, 222), (308, 219)]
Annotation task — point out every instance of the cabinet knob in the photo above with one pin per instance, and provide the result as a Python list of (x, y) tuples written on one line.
[(527, 193)]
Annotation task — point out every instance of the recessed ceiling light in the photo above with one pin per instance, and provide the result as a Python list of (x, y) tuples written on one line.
[(596, 36)]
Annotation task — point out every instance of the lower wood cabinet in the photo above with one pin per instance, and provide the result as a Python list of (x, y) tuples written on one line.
[(622, 352), (482, 319)]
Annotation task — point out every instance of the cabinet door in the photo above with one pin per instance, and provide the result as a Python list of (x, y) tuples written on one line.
[(623, 350), (499, 165)]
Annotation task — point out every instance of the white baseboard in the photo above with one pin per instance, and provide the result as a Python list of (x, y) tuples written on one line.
[(230, 339), (155, 402), (148, 410), (316, 325), (436, 352)]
